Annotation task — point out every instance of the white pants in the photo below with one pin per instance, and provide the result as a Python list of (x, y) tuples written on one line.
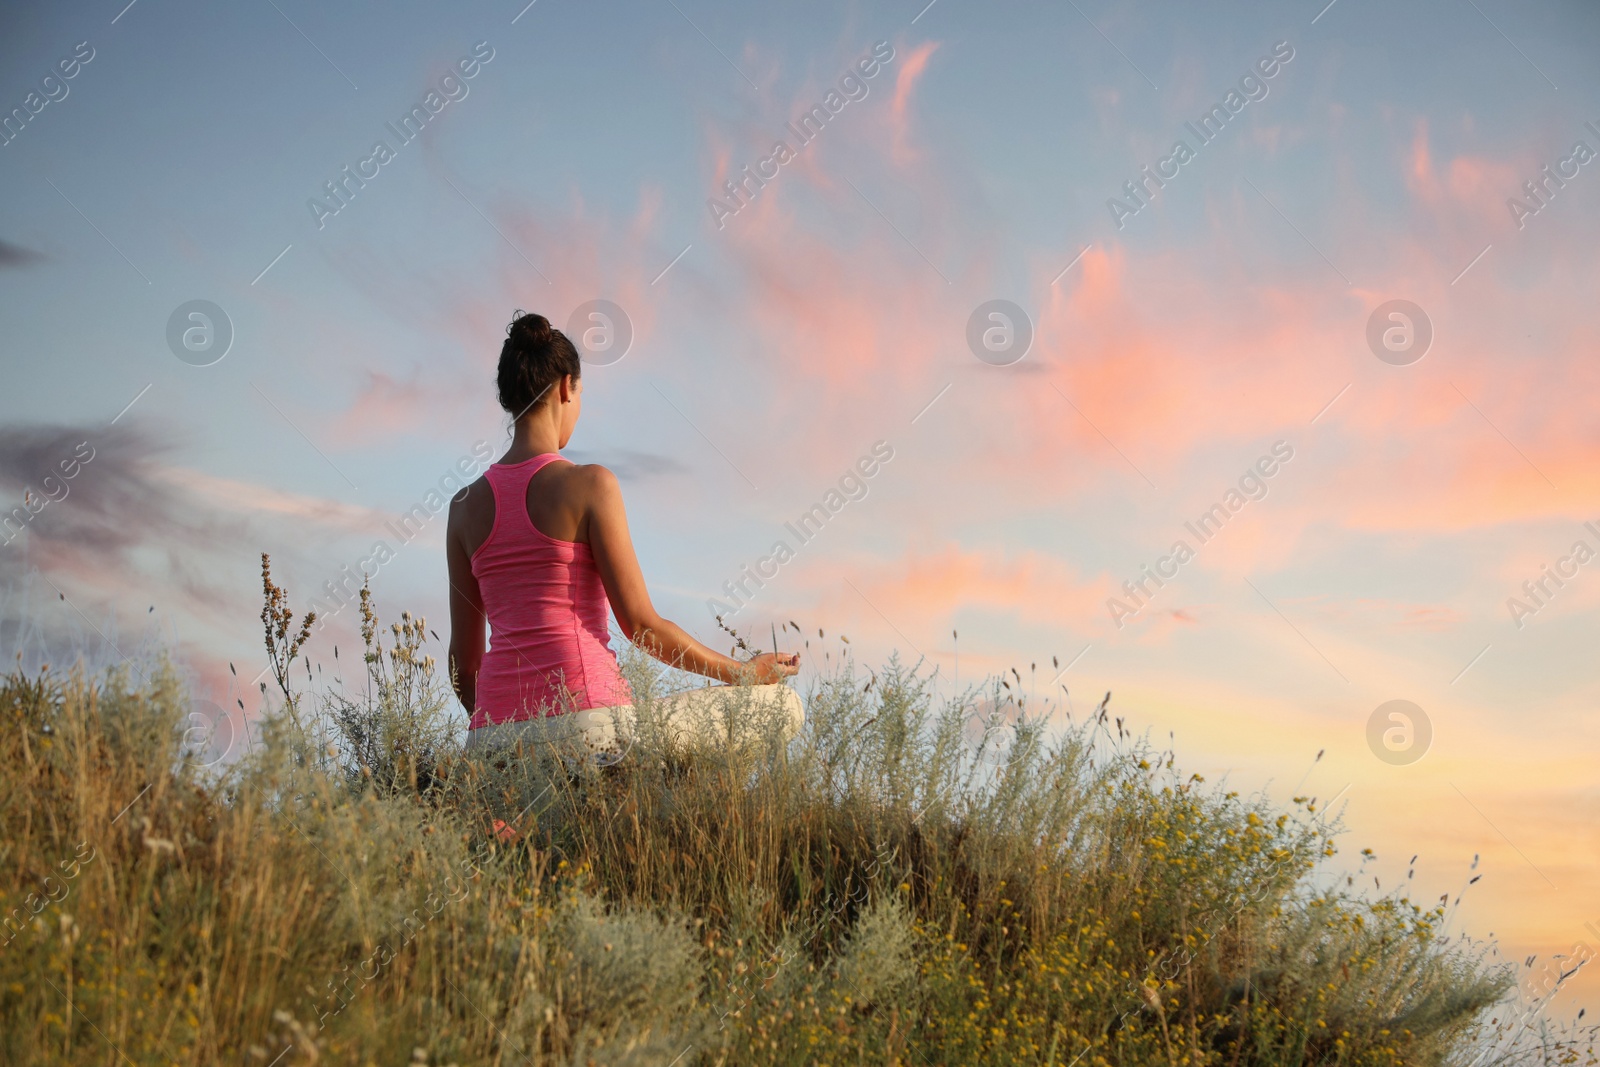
[(715, 714)]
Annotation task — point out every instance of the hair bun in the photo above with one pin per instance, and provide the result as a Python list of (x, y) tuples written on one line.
[(534, 357), (529, 327)]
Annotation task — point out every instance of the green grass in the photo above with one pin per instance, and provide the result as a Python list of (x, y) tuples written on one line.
[(877, 891)]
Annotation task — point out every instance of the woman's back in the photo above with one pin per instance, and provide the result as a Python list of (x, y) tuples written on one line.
[(546, 604)]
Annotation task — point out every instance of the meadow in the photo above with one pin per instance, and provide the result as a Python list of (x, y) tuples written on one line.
[(911, 881)]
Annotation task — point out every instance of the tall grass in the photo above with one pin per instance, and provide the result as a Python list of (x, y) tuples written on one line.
[(884, 889)]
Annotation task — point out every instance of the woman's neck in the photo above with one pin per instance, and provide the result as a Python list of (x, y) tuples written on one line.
[(533, 435)]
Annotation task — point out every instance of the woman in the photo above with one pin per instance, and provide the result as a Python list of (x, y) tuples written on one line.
[(539, 547)]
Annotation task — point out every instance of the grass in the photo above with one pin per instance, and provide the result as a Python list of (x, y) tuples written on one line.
[(882, 890)]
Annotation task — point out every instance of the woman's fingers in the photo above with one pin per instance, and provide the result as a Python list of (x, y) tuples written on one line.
[(773, 666)]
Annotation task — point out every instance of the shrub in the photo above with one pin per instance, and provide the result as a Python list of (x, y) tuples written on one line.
[(888, 888)]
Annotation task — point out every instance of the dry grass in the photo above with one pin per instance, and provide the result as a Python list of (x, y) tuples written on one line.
[(878, 891)]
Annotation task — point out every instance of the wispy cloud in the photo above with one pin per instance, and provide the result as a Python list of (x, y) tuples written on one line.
[(630, 465), (17, 256)]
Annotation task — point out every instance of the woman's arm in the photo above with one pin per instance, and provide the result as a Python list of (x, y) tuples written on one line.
[(630, 600), (466, 616)]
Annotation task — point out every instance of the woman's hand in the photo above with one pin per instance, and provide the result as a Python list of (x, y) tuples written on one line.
[(770, 667)]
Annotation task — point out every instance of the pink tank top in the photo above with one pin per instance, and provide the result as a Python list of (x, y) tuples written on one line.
[(549, 644)]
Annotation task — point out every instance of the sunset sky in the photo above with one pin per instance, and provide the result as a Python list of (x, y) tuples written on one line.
[(1183, 343)]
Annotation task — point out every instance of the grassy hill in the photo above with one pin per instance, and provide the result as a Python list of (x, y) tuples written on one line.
[(885, 889)]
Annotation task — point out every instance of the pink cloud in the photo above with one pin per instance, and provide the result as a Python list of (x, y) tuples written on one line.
[(905, 82), (925, 588)]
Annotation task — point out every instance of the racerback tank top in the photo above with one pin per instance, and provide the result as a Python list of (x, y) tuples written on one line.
[(549, 643)]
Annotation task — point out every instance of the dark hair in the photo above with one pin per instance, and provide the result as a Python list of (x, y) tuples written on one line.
[(535, 356)]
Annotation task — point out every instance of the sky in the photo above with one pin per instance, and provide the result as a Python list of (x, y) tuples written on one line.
[(1269, 431)]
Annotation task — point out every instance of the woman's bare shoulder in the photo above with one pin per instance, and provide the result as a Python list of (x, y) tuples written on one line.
[(472, 511), (594, 485), (477, 495), (593, 473)]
